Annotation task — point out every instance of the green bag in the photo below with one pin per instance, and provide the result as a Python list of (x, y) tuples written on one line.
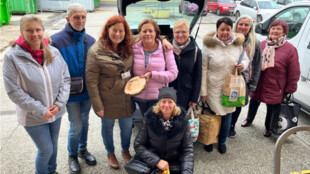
[(234, 90)]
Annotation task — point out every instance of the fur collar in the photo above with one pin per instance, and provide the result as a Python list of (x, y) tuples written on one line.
[(179, 123), (209, 40)]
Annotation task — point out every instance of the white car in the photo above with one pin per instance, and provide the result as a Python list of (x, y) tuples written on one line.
[(285, 2), (297, 16), (257, 9)]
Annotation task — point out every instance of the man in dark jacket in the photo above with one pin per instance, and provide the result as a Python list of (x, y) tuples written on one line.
[(73, 44)]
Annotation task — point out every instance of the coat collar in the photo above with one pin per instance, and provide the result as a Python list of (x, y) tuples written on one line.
[(179, 123), (210, 41)]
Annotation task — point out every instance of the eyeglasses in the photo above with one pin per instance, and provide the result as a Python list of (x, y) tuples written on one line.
[(180, 32)]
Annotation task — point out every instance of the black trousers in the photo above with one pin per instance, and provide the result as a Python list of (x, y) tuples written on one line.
[(145, 105), (273, 112)]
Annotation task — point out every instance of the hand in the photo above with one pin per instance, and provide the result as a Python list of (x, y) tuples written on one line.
[(100, 113), (239, 67), (192, 104), (162, 165), (54, 109), (167, 45), (146, 75), (203, 99), (48, 115)]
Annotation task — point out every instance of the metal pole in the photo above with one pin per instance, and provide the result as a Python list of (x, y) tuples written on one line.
[(279, 143)]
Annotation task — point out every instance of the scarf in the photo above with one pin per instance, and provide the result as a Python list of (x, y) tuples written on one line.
[(229, 40), (178, 47), (36, 54), (269, 51), (167, 124)]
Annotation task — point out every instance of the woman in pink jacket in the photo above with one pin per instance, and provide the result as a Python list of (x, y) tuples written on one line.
[(152, 63)]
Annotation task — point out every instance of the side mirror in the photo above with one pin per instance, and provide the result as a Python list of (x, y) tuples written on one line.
[(259, 28)]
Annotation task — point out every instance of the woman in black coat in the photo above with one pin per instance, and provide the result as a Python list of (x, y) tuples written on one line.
[(188, 58), (164, 138)]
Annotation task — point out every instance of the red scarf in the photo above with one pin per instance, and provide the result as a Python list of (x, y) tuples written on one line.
[(36, 54)]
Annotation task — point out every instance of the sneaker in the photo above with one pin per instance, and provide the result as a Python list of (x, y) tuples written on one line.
[(222, 148), (74, 165), (208, 148), (232, 133), (87, 157)]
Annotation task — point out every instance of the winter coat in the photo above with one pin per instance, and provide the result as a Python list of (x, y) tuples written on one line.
[(163, 71), (105, 84), (188, 82), (254, 68), (35, 88), (274, 83), (153, 143), (219, 60), (70, 43)]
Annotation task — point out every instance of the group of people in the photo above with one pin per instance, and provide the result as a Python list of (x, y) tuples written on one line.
[(40, 77)]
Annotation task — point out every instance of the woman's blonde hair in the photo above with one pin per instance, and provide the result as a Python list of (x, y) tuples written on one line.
[(176, 110), (47, 54), (181, 22), (251, 41)]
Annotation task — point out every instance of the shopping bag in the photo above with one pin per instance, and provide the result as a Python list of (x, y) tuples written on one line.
[(234, 90), (193, 123), (287, 118), (209, 126)]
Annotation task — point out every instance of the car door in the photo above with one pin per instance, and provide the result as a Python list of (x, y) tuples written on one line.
[(246, 7), (210, 5), (253, 10)]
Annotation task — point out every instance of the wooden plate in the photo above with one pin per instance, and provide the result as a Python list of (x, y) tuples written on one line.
[(135, 86)]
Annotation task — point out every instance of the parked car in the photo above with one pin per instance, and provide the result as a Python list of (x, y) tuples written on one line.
[(284, 2), (297, 17), (257, 9), (190, 8), (168, 12), (221, 6)]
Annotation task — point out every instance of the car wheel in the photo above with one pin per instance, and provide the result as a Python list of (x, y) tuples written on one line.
[(218, 12), (259, 19), (237, 15)]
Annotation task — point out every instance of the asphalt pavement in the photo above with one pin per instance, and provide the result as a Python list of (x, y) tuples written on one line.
[(248, 153)]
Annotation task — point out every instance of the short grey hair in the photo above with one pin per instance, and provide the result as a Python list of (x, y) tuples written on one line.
[(74, 7), (181, 22)]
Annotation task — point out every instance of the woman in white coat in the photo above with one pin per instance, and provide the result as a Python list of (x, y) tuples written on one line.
[(221, 52)]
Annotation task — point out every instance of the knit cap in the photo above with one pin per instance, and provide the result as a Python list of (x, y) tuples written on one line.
[(167, 92)]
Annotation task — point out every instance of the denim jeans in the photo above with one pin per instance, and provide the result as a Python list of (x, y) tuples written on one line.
[(225, 128), (125, 125), (45, 137), (78, 113)]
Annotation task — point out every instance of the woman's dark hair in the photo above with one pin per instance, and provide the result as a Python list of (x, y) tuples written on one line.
[(225, 20), (125, 47)]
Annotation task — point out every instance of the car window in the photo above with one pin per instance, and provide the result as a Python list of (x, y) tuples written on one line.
[(226, 1), (164, 13), (281, 2), (215, 1), (246, 3), (294, 17), (254, 4), (268, 5)]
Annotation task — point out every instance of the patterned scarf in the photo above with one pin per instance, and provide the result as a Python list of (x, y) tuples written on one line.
[(269, 51), (167, 124)]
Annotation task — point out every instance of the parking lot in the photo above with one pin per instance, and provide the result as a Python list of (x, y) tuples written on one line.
[(248, 153)]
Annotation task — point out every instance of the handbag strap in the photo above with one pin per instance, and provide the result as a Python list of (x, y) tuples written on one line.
[(190, 112), (164, 53), (241, 56)]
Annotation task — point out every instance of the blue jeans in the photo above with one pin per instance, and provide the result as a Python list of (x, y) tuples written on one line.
[(78, 113), (125, 125), (225, 128), (45, 137)]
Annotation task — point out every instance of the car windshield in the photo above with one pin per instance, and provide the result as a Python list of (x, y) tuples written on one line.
[(165, 13), (226, 1), (268, 5)]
